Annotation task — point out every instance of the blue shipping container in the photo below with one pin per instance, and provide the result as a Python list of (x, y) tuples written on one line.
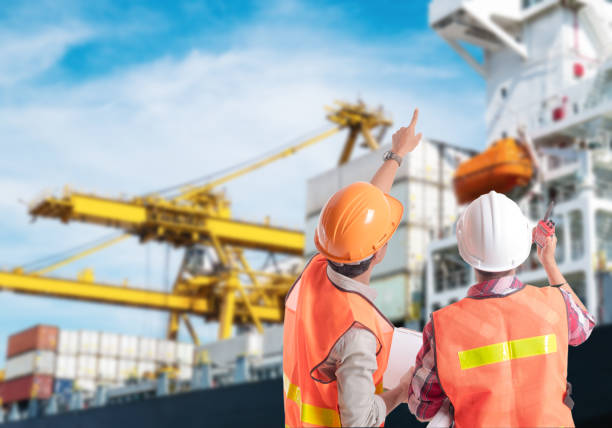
[(62, 386)]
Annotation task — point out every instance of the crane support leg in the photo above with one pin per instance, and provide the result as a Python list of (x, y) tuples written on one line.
[(190, 329), (348, 146), (227, 311), (173, 326)]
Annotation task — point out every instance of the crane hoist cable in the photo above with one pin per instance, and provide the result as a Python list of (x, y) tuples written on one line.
[(224, 171), (64, 254)]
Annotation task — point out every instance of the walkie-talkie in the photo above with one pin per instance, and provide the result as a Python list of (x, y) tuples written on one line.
[(545, 227)]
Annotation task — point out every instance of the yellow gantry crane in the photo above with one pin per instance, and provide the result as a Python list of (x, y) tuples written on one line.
[(215, 279)]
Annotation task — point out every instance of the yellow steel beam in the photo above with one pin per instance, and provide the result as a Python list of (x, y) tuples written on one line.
[(134, 297), (173, 326), (370, 140), (79, 255), (180, 225), (228, 307), (102, 293), (348, 146), (192, 193), (191, 330)]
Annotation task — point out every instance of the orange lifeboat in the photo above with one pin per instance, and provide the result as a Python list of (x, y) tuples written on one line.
[(502, 167)]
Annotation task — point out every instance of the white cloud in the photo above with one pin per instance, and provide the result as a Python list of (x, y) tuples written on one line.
[(23, 56)]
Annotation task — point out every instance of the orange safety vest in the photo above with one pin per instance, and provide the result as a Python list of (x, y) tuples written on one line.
[(502, 361), (317, 314)]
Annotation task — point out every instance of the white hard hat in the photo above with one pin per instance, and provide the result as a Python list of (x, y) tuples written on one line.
[(493, 235)]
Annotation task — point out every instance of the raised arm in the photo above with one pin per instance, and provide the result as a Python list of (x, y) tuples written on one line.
[(580, 321), (547, 258), (403, 142)]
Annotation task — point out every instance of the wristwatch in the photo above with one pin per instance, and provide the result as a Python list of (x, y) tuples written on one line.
[(390, 155)]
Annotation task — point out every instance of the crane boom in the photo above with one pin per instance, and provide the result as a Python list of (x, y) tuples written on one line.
[(133, 297), (182, 225)]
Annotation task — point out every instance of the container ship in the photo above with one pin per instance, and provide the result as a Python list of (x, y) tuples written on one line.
[(548, 70)]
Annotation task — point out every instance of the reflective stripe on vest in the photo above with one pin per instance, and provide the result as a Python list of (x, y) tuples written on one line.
[(308, 413), (312, 414), (504, 351)]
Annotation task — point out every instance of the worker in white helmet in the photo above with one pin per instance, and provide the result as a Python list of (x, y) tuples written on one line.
[(498, 357)]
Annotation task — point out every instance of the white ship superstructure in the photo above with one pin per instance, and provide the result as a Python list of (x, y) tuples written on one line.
[(548, 70)]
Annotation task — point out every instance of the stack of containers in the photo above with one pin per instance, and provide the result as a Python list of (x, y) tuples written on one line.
[(128, 357), (46, 360), (108, 359), (30, 364), (87, 361), (184, 359), (146, 356), (66, 362)]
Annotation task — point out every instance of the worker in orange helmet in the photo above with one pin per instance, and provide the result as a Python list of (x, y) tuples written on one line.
[(336, 342), (498, 357)]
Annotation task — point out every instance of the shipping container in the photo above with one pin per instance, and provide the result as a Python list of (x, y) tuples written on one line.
[(108, 369), (87, 367), (273, 341), (63, 387), (254, 343), (184, 353), (87, 385), (24, 388), (166, 351), (66, 366), (225, 352), (109, 344), (39, 337), (30, 363), (128, 347), (89, 342), (147, 347), (68, 342), (185, 372), (127, 369), (146, 369)]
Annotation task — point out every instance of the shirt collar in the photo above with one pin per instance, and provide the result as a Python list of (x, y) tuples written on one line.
[(349, 284), (495, 287)]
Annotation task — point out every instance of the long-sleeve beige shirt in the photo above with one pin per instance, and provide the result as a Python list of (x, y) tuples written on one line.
[(352, 362)]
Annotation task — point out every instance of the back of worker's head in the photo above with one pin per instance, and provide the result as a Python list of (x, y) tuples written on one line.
[(360, 267), (493, 235), (354, 226)]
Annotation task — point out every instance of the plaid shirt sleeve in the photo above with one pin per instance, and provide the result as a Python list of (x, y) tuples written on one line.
[(425, 396), (580, 322)]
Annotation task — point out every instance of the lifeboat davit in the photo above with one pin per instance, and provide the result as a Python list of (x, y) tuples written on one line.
[(502, 167)]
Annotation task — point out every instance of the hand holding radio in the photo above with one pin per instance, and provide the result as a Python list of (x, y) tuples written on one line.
[(544, 237)]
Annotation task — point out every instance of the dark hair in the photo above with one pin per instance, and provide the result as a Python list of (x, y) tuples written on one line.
[(351, 271), (487, 276)]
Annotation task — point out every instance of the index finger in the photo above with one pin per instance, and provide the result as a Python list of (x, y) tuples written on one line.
[(415, 116)]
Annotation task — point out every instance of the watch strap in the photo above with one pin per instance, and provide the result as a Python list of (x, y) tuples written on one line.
[(390, 155)]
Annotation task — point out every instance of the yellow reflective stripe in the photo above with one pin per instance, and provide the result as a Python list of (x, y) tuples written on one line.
[(379, 388), (320, 416), (308, 413), (504, 351)]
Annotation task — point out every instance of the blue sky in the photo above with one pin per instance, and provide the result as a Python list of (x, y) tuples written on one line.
[(123, 97)]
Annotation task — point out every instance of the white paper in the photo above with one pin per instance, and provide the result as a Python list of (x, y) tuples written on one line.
[(405, 346)]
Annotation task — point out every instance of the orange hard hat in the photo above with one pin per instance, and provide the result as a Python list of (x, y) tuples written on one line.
[(356, 222)]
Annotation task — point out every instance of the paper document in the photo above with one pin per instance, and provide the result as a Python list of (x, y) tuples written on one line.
[(405, 346)]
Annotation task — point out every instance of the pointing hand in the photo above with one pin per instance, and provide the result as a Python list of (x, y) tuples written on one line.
[(404, 141)]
